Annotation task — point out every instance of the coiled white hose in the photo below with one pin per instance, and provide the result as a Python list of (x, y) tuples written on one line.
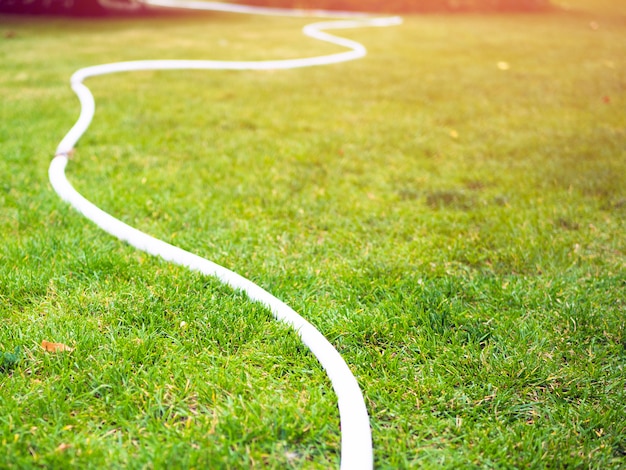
[(356, 439)]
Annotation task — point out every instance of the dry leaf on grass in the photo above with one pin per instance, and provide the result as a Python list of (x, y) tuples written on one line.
[(55, 347)]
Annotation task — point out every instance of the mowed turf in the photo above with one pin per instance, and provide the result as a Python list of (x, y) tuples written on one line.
[(449, 212)]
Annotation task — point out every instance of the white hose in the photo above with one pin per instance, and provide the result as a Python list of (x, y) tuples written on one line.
[(356, 439)]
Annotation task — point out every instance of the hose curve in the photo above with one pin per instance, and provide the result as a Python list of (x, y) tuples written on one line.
[(356, 439)]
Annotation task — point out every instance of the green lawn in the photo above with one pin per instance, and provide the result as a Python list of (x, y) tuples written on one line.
[(449, 212)]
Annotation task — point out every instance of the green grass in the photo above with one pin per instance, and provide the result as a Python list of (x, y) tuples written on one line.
[(456, 230)]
